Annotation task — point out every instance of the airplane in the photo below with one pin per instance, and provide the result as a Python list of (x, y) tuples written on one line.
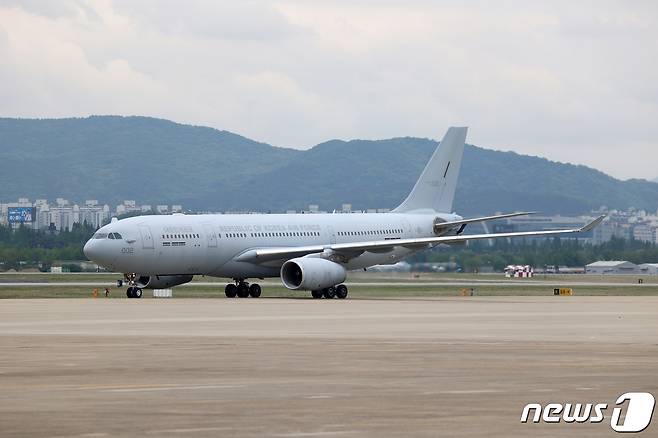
[(308, 252)]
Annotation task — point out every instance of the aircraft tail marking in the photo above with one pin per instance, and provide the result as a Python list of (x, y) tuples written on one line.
[(435, 190)]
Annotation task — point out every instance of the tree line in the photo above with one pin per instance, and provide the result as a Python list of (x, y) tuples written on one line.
[(538, 253), (24, 247)]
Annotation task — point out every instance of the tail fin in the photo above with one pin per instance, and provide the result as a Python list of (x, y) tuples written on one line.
[(435, 189)]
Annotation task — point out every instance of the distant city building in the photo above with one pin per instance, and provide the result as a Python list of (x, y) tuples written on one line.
[(63, 214), (631, 224), (645, 233)]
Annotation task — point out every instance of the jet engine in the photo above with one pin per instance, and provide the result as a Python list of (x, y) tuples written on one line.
[(311, 273), (161, 281)]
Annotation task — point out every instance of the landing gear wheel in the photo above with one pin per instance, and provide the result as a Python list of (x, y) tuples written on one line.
[(341, 291), (134, 292), (329, 293), (316, 293), (231, 290), (243, 290), (254, 290)]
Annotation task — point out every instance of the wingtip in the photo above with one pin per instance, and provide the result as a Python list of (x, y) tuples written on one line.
[(595, 223)]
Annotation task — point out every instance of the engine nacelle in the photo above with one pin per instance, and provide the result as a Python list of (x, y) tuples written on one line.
[(161, 281), (311, 273)]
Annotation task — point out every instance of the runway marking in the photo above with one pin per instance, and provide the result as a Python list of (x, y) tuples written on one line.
[(463, 391), (328, 433), (187, 430), (360, 316), (172, 388), (83, 435)]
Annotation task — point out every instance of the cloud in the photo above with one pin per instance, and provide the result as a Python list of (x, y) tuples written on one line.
[(565, 80)]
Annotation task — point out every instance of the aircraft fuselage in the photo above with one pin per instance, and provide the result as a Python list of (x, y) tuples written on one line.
[(209, 244)]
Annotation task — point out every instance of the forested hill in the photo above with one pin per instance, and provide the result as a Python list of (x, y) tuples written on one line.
[(155, 161)]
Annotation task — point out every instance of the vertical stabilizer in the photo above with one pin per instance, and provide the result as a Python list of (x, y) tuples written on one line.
[(435, 189)]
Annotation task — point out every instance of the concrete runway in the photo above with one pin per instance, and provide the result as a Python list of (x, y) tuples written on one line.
[(313, 368)]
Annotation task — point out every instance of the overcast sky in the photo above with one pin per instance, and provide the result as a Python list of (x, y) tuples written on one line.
[(570, 81)]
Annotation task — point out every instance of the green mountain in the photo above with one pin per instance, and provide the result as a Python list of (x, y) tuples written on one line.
[(156, 161)]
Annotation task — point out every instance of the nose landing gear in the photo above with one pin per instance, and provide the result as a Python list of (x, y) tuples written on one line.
[(133, 291)]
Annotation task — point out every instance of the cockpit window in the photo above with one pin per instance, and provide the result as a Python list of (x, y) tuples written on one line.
[(100, 236), (117, 236), (110, 236)]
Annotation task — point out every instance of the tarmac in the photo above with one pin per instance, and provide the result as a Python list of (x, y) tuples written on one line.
[(457, 366)]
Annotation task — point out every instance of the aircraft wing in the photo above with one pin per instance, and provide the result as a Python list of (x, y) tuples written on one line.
[(353, 249), (451, 224)]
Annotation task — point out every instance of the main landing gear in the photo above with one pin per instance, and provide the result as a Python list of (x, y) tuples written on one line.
[(242, 289), (339, 291)]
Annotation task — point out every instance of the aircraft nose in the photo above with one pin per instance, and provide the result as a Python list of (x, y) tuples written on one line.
[(89, 250)]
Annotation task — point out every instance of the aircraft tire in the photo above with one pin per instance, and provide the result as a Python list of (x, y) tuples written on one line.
[(137, 293), (341, 291), (329, 293), (243, 290), (129, 292), (316, 293), (254, 290), (231, 290)]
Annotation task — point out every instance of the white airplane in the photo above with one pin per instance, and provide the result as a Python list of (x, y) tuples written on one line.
[(307, 251)]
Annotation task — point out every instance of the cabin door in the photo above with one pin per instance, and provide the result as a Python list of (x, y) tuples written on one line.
[(211, 237), (332, 234), (147, 238)]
